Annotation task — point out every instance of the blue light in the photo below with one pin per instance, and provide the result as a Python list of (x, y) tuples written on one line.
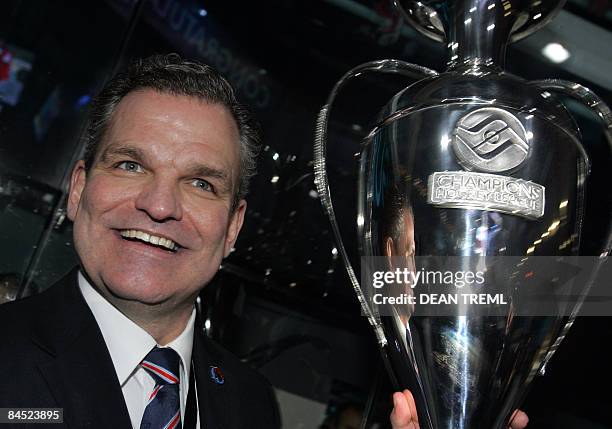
[(202, 12), (83, 100)]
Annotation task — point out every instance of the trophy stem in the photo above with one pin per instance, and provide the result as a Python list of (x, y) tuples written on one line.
[(479, 32)]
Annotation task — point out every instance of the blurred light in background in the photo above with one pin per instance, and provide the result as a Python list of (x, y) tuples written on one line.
[(555, 52)]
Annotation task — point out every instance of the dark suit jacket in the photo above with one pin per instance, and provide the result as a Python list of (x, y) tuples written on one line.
[(52, 354)]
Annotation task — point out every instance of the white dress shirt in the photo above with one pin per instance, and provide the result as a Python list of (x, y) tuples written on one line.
[(128, 345)]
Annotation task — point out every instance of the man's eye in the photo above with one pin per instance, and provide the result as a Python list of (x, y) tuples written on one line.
[(130, 166), (203, 185)]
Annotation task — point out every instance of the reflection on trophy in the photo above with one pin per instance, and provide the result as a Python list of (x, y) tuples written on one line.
[(398, 248), (477, 164)]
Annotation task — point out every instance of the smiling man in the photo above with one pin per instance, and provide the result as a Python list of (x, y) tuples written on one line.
[(157, 203)]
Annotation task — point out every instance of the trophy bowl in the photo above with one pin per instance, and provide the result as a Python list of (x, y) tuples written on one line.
[(481, 187)]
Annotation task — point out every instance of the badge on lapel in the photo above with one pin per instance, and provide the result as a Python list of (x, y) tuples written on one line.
[(216, 375)]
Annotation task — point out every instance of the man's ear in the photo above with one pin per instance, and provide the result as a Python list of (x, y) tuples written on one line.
[(77, 184), (235, 224), (389, 247)]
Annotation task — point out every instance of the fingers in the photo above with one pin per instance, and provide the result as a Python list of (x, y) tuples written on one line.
[(404, 415), (518, 420), (412, 406)]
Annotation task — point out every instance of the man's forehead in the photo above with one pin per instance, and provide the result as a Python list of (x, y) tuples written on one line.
[(143, 101), (144, 104)]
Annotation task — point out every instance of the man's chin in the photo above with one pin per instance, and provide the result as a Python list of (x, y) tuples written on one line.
[(146, 297), (134, 291)]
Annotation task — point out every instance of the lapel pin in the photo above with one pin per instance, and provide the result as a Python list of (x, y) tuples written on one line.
[(216, 375)]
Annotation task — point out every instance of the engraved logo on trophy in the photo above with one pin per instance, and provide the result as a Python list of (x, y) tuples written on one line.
[(491, 140)]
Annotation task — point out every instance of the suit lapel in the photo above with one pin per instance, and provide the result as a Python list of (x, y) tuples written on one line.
[(213, 398), (79, 371)]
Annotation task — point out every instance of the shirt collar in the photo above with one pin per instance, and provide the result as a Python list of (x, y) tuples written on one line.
[(128, 343)]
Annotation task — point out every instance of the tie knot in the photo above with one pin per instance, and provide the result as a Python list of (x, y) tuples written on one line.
[(163, 365)]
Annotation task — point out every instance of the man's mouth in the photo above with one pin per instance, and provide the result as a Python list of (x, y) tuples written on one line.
[(136, 235)]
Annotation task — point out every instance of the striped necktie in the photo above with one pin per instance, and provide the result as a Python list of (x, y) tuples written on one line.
[(163, 410)]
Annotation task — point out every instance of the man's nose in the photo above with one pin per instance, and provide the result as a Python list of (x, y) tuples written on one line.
[(160, 199)]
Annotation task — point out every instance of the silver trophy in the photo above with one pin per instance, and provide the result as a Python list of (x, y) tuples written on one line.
[(475, 164)]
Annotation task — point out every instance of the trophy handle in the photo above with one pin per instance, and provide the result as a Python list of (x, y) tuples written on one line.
[(596, 105), (320, 150)]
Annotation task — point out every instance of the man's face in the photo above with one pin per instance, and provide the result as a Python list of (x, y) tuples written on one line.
[(152, 217)]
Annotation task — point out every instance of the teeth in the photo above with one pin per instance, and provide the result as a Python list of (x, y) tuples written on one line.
[(148, 238)]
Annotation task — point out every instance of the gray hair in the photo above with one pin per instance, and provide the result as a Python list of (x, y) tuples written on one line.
[(173, 75)]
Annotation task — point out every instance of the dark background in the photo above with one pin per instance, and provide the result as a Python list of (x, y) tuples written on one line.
[(282, 300)]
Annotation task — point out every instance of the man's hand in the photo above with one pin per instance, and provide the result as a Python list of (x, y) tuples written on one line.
[(404, 415)]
